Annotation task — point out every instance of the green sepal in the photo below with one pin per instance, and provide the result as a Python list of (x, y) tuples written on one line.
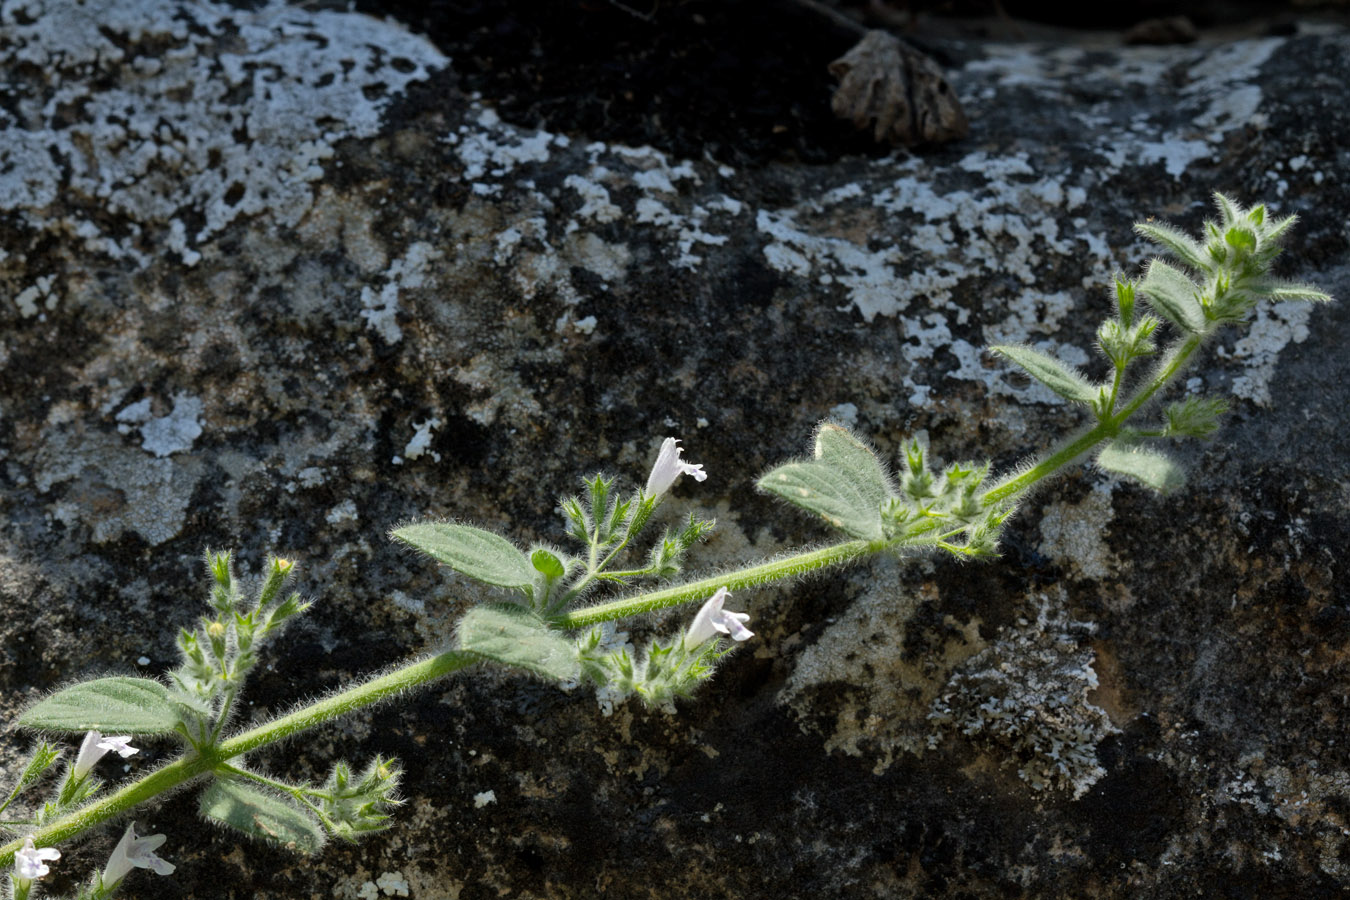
[(268, 817), (844, 483), (479, 554), (116, 705), (1173, 295), (1148, 467), (43, 757), (1064, 380), (515, 636)]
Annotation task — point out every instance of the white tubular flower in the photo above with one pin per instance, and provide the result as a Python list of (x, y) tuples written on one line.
[(95, 746), (712, 620), (668, 467), (135, 853), (31, 862)]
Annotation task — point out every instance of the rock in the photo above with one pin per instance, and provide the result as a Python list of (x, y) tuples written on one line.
[(1165, 30), (277, 283)]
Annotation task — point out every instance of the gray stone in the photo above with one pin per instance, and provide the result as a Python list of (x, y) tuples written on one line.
[(269, 280)]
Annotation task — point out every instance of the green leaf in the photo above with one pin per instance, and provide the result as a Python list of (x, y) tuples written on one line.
[(511, 634), (1228, 210), (115, 705), (1064, 380), (1240, 238), (1172, 294), (1288, 290), (1147, 466), (1276, 230), (43, 757), (844, 483), (547, 563), (1181, 245), (479, 554), (1194, 417), (261, 815)]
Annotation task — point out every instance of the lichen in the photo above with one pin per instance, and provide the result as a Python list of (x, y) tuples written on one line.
[(1026, 697), (157, 122)]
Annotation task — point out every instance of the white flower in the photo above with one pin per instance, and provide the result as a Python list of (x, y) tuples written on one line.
[(95, 746), (135, 853), (712, 620), (668, 467), (31, 862)]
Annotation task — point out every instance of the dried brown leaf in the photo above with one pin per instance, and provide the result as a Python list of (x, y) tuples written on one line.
[(897, 92)]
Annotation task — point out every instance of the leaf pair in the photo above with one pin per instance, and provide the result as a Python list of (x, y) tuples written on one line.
[(1154, 469)]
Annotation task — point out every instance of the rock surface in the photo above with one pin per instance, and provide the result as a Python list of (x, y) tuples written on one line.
[(271, 279)]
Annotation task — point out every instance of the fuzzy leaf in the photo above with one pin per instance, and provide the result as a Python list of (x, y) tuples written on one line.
[(844, 483), (513, 635), (1240, 238), (261, 815), (1181, 245), (43, 757), (119, 704), (1147, 466), (1229, 210), (1172, 294), (1064, 380), (479, 554), (1276, 230), (1288, 290)]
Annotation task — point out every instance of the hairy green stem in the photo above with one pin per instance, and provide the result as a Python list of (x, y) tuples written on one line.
[(194, 765), (364, 694), (773, 570), (1016, 484), (1171, 363)]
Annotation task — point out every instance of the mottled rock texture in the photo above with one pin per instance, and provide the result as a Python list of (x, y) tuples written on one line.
[(271, 279)]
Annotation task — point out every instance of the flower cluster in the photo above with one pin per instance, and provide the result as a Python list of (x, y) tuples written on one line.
[(132, 852), (665, 670)]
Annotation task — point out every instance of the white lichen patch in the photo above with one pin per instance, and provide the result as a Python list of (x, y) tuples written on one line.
[(638, 188), (505, 392), (111, 488), (491, 150), (420, 443), (37, 297), (200, 113), (343, 513), (1026, 698), (408, 271), (1272, 329), (1073, 533), (858, 663), (175, 432), (596, 205)]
